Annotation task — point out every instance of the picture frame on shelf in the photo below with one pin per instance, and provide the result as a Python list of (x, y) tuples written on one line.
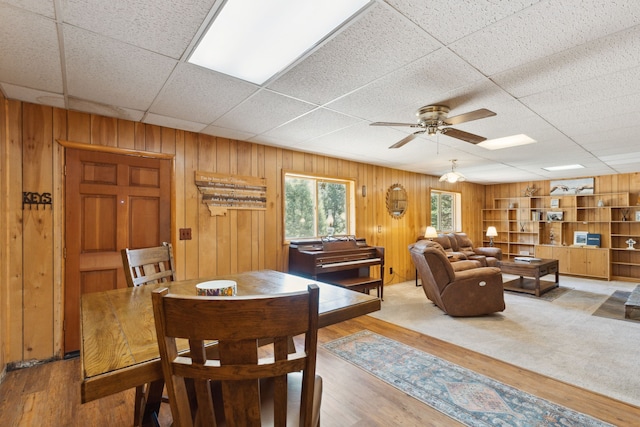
[(555, 203), (637, 215), (554, 216), (580, 238)]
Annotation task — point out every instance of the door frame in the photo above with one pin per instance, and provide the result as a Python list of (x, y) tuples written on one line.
[(60, 211)]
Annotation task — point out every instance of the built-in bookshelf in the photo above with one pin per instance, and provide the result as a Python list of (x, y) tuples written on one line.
[(545, 226)]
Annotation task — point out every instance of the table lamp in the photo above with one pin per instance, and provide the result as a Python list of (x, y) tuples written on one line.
[(430, 233), (491, 233)]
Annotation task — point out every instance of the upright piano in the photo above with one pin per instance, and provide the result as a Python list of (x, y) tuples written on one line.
[(344, 261)]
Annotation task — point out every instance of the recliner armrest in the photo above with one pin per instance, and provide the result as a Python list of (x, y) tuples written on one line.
[(489, 251)]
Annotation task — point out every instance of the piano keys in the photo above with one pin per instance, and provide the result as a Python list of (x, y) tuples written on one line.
[(343, 261)]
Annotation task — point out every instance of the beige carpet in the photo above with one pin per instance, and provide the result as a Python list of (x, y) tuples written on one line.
[(557, 337)]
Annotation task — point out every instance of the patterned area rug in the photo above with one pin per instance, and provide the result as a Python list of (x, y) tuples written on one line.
[(547, 296), (613, 307), (465, 396)]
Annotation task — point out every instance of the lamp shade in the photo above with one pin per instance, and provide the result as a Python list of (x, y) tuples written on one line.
[(430, 233), (452, 177), (492, 232)]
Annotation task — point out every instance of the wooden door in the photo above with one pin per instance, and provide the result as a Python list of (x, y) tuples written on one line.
[(113, 201)]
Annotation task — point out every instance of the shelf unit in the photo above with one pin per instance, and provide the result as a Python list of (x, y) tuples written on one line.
[(517, 232), (524, 229), (625, 263)]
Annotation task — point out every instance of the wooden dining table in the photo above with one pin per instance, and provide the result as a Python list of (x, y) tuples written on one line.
[(119, 350)]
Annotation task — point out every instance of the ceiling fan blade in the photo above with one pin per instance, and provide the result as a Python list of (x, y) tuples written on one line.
[(465, 136), (467, 117), (406, 139), (413, 125)]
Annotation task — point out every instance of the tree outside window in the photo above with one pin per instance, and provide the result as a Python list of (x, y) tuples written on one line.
[(445, 211), (316, 206)]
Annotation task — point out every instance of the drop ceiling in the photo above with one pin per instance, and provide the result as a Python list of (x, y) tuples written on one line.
[(566, 73)]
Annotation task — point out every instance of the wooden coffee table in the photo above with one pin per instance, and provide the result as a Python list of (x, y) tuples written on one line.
[(530, 274)]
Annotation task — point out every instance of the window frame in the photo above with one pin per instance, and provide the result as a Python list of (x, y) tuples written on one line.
[(457, 210), (350, 209)]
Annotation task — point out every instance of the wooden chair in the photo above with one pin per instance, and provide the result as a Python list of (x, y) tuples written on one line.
[(244, 383), (149, 265), (141, 267)]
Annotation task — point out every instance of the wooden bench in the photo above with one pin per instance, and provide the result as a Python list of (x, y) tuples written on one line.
[(632, 306)]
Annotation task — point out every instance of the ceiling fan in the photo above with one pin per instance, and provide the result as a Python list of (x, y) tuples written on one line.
[(433, 118)]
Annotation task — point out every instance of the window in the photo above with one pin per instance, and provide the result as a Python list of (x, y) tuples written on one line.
[(445, 211), (317, 206)]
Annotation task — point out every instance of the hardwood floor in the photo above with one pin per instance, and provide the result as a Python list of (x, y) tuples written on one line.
[(49, 394)]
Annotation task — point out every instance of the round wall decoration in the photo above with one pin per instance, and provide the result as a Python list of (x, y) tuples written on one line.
[(396, 201)]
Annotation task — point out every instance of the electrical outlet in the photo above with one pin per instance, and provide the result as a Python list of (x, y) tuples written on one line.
[(390, 270), (185, 234)]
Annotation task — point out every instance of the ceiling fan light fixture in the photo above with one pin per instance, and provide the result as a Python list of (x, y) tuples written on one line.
[(453, 176)]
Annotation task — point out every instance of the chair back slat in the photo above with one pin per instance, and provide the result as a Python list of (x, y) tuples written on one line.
[(243, 370), (149, 265)]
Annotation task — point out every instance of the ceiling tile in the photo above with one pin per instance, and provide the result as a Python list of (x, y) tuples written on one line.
[(398, 95), (104, 110), (228, 133), (604, 56), (172, 122), (544, 29), (376, 44), (189, 93), (162, 26), (29, 50), (40, 7), (591, 91), (451, 20), (314, 124), (32, 95), (104, 70), (263, 111)]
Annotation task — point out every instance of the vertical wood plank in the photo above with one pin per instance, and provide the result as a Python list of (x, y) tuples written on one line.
[(152, 138), (38, 309), (59, 133), (179, 202), (224, 223), (193, 209), (79, 125), (126, 134), (272, 173), (104, 131), (4, 231), (208, 237)]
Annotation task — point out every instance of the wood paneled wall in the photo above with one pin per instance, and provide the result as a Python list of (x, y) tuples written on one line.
[(32, 241)]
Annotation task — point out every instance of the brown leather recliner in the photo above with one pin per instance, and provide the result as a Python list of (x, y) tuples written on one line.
[(470, 292), (445, 242), (488, 256)]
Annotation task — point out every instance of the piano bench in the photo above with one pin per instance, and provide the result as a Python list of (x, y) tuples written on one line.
[(362, 284)]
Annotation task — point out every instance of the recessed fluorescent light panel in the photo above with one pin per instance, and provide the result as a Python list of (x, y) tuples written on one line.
[(506, 142), (254, 39), (563, 168)]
